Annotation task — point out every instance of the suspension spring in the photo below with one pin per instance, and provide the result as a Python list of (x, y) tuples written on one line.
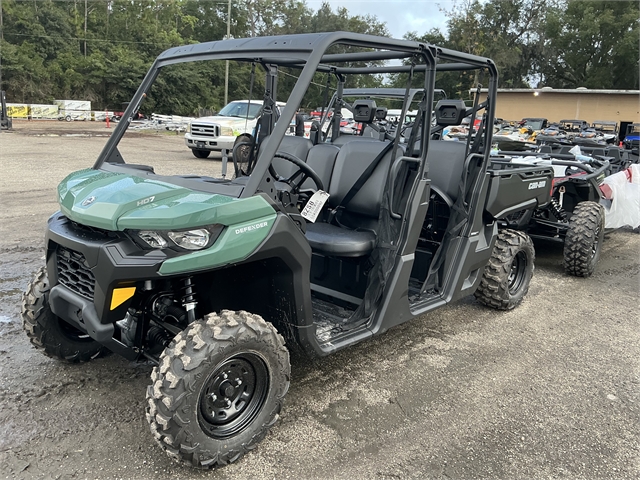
[(557, 210), (189, 299)]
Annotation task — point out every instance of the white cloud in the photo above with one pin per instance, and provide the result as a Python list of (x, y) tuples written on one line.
[(401, 16)]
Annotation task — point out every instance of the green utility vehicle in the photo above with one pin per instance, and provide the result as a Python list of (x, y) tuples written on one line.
[(314, 244)]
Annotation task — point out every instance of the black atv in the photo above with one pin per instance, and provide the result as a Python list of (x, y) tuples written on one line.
[(315, 244)]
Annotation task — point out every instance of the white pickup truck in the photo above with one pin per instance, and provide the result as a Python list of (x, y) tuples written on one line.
[(221, 131)]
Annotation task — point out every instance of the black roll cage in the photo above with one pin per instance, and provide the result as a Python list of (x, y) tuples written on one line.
[(308, 52)]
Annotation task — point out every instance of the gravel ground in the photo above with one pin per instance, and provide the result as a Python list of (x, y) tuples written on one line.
[(549, 390)]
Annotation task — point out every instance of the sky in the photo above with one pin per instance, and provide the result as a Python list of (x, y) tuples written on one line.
[(401, 16)]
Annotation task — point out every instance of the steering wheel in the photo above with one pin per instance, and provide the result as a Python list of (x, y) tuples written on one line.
[(304, 171)]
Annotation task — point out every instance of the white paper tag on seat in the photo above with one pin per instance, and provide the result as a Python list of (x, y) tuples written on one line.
[(314, 206)]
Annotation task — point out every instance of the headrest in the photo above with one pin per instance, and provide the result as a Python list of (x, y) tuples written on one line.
[(381, 113), (364, 111), (450, 112)]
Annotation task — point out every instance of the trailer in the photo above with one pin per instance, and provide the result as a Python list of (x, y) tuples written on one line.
[(73, 110)]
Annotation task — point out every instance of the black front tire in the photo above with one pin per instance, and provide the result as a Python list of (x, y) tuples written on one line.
[(506, 278), (200, 153), (49, 333), (583, 242), (218, 389)]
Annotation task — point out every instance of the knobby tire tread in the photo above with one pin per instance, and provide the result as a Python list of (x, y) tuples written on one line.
[(39, 323), (579, 258), (173, 395), (493, 290)]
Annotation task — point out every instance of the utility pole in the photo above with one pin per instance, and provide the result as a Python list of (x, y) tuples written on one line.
[(85, 28), (1, 38), (226, 72)]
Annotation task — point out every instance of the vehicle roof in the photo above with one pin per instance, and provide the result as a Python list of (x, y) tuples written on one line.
[(296, 50), (256, 101)]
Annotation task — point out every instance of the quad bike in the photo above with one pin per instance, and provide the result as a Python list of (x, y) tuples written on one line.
[(575, 216), (313, 245)]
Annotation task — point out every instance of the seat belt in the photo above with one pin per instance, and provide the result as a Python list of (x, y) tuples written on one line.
[(369, 170), (359, 183)]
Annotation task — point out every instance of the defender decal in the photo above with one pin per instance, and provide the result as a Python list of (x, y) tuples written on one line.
[(250, 228)]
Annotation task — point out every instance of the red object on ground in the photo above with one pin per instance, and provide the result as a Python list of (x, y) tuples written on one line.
[(606, 189), (107, 119)]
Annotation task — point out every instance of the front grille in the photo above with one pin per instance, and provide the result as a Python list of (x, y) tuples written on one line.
[(205, 130), (93, 233), (74, 273)]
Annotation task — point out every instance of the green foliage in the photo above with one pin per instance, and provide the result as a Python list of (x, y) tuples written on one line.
[(592, 44), (99, 50)]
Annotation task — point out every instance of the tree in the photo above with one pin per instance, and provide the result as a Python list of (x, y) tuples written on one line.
[(591, 44)]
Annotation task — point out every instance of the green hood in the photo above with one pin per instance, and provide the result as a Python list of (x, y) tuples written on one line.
[(115, 201)]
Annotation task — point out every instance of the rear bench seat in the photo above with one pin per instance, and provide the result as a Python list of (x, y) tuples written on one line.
[(340, 167), (360, 216), (446, 165)]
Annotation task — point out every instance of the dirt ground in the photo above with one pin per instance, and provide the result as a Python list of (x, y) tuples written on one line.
[(548, 390)]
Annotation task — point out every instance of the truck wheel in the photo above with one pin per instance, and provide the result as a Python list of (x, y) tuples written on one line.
[(200, 153), (241, 154), (583, 242), (507, 276), (68, 118), (49, 333), (218, 388)]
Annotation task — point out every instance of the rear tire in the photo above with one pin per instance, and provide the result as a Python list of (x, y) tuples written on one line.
[(241, 154), (506, 278), (218, 388), (583, 242), (200, 153), (49, 333)]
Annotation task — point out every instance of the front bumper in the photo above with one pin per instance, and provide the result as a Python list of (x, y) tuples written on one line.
[(85, 265), (216, 144)]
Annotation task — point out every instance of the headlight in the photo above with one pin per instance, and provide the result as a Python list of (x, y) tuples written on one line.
[(195, 239), (189, 127), (226, 131), (153, 239), (191, 240)]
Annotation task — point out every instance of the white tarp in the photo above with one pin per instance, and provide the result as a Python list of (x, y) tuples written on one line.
[(625, 198)]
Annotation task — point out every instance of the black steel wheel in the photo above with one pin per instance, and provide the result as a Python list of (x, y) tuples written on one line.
[(583, 242), (200, 153), (218, 389), (506, 277), (233, 395), (48, 332), (518, 274)]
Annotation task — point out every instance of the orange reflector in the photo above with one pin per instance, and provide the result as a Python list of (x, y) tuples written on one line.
[(121, 295)]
